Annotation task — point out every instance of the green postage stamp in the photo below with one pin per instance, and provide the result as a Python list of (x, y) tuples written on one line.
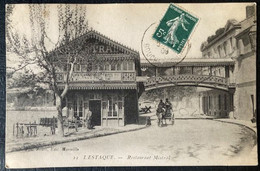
[(175, 28)]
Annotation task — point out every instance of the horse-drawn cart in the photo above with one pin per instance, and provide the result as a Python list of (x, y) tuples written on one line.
[(164, 115)]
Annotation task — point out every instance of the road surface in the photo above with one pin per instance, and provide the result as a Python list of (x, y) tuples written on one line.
[(187, 142)]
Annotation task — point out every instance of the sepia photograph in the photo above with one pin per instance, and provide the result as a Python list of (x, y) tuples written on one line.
[(165, 84)]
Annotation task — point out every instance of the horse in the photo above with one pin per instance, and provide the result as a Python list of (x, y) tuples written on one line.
[(160, 113)]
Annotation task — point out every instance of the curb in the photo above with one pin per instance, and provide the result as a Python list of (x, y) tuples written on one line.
[(240, 124), (255, 148), (193, 118), (72, 140), (214, 119)]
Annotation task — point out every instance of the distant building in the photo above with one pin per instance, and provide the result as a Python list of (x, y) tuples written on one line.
[(237, 41)]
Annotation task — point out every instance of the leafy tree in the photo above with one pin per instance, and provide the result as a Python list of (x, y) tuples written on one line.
[(46, 53)]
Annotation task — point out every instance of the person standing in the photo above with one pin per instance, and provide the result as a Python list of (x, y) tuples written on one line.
[(89, 119), (169, 111), (71, 113), (161, 104), (168, 107)]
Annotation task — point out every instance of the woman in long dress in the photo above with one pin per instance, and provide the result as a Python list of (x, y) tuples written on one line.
[(89, 119), (174, 25)]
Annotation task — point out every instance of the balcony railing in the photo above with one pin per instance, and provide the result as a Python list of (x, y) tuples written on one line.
[(196, 79), (98, 77)]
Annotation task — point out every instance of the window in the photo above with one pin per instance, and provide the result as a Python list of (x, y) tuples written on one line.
[(104, 105), (120, 105), (113, 67), (84, 68), (209, 55), (219, 102), (80, 108), (209, 102), (124, 65), (231, 43), (75, 108), (215, 53), (109, 106), (225, 48), (245, 40), (101, 67), (94, 66), (114, 106), (77, 67), (231, 102), (225, 102), (130, 65), (219, 51), (106, 67), (91, 96), (118, 66), (185, 70), (65, 67), (89, 66)]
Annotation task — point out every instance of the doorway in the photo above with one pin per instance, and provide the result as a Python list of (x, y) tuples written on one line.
[(95, 108)]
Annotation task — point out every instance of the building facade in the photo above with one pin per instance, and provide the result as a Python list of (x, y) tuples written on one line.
[(236, 41), (104, 81), (217, 103), (245, 68)]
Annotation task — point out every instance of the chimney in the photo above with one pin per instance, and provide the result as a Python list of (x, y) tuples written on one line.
[(250, 11)]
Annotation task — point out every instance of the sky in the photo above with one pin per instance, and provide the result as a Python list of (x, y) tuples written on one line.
[(126, 23)]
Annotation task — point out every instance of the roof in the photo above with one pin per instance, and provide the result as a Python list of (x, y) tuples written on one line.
[(190, 62), (94, 34), (247, 25), (230, 25), (98, 35)]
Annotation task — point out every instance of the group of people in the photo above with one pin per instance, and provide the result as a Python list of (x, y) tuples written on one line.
[(165, 108), (76, 119)]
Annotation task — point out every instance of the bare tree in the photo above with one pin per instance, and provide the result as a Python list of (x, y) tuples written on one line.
[(42, 50)]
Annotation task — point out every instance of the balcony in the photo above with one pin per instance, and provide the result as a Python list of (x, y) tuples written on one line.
[(98, 77)]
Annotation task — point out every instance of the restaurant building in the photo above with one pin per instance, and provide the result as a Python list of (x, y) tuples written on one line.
[(104, 80)]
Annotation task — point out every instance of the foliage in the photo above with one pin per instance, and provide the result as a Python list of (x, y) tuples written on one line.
[(30, 98), (42, 50)]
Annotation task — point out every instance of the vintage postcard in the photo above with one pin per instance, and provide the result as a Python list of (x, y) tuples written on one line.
[(130, 85)]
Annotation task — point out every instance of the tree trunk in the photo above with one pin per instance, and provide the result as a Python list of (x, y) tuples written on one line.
[(59, 116)]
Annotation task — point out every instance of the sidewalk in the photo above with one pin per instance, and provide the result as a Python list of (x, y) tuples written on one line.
[(82, 134), (247, 124)]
